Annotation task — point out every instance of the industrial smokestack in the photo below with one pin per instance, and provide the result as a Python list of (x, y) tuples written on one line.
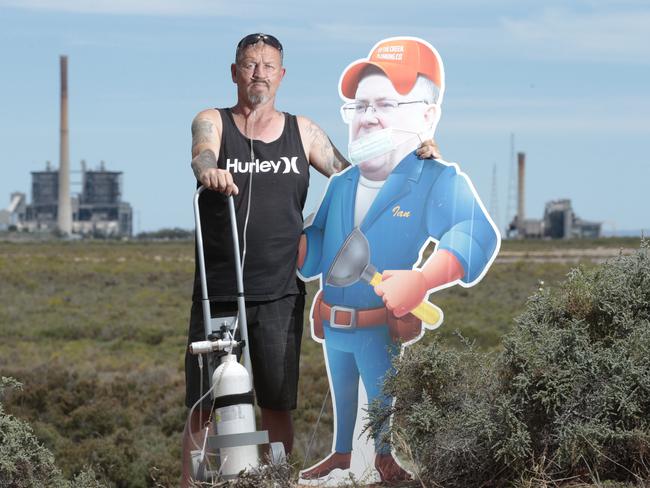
[(65, 207), (521, 192)]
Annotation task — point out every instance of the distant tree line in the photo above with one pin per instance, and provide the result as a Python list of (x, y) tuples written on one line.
[(166, 234)]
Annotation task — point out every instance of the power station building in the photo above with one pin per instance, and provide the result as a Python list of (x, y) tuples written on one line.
[(98, 210), (559, 221)]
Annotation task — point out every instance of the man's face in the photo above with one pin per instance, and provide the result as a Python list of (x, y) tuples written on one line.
[(416, 117), (258, 73)]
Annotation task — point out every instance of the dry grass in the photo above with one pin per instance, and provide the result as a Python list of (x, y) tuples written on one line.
[(102, 326)]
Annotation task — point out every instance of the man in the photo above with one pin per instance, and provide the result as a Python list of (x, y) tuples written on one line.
[(399, 203), (262, 157)]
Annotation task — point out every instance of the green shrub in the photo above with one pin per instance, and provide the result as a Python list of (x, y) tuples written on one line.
[(576, 370), (24, 462), (126, 426), (443, 418), (567, 398)]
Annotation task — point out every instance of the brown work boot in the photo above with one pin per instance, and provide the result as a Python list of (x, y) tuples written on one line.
[(389, 470), (336, 460)]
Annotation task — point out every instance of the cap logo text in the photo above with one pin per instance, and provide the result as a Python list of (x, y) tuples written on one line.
[(392, 53)]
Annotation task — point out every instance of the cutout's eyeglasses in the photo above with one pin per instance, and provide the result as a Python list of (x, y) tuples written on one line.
[(381, 107)]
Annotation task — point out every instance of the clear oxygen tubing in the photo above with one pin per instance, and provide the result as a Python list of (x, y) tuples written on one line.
[(196, 445), (248, 213), (241, 303), (313, 435), (210, 390), (250, 190), (204, 429)]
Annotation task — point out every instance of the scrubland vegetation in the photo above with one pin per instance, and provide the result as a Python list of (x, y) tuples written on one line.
[(95, 332), (566, 399)]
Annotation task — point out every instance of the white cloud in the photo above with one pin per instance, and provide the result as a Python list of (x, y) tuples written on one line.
[(600, 36), (370, 34), (555, 34), (573, 103), (603, 30), (623, 115), (549, 124), (133, 7)]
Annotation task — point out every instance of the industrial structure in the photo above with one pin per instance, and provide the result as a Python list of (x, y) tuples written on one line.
[(97, 210), (14, 213), (559, 221), (64, 213)]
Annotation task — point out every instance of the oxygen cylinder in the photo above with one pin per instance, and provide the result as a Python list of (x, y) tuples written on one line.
[(234, 414)]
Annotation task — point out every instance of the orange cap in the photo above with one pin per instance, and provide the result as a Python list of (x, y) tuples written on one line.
[(402, 60)]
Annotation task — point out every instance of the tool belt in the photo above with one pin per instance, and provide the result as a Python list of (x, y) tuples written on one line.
[(401, 329)]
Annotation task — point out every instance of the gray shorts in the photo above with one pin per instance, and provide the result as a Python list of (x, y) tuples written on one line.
[(274, 334)]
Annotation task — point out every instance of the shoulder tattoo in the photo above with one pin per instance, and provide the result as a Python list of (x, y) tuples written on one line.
[(202, 132), (331, 159)]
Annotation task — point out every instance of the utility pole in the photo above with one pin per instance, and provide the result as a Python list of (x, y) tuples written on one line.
[(511, 205), (494, 198)]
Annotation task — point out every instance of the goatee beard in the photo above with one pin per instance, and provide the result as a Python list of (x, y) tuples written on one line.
[(257, 99)]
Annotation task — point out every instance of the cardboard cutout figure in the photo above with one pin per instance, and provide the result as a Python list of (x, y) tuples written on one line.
[(368, 235)]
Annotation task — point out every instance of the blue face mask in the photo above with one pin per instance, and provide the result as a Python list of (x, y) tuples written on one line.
[(376, 144), (371, 145)]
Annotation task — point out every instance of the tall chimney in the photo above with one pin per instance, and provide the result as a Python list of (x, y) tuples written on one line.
[(65, 207), (521, 192)]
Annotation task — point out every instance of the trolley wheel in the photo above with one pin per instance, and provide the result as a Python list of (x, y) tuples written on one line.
[(277, 453)]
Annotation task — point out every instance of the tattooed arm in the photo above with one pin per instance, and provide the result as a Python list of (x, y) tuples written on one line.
[(206, 140), (320, 151)]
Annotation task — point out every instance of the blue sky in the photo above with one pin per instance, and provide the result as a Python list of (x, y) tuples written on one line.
[(570, 79)]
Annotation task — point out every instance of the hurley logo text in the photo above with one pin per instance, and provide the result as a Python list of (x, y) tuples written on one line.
[(283, 165)]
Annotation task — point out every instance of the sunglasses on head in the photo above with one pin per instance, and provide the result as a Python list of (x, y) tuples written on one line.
[(251, 39)]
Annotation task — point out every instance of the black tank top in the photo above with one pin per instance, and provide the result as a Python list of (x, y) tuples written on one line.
[(277, 180)]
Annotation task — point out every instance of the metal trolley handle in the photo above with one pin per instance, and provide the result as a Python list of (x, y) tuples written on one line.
[(205, 301)]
